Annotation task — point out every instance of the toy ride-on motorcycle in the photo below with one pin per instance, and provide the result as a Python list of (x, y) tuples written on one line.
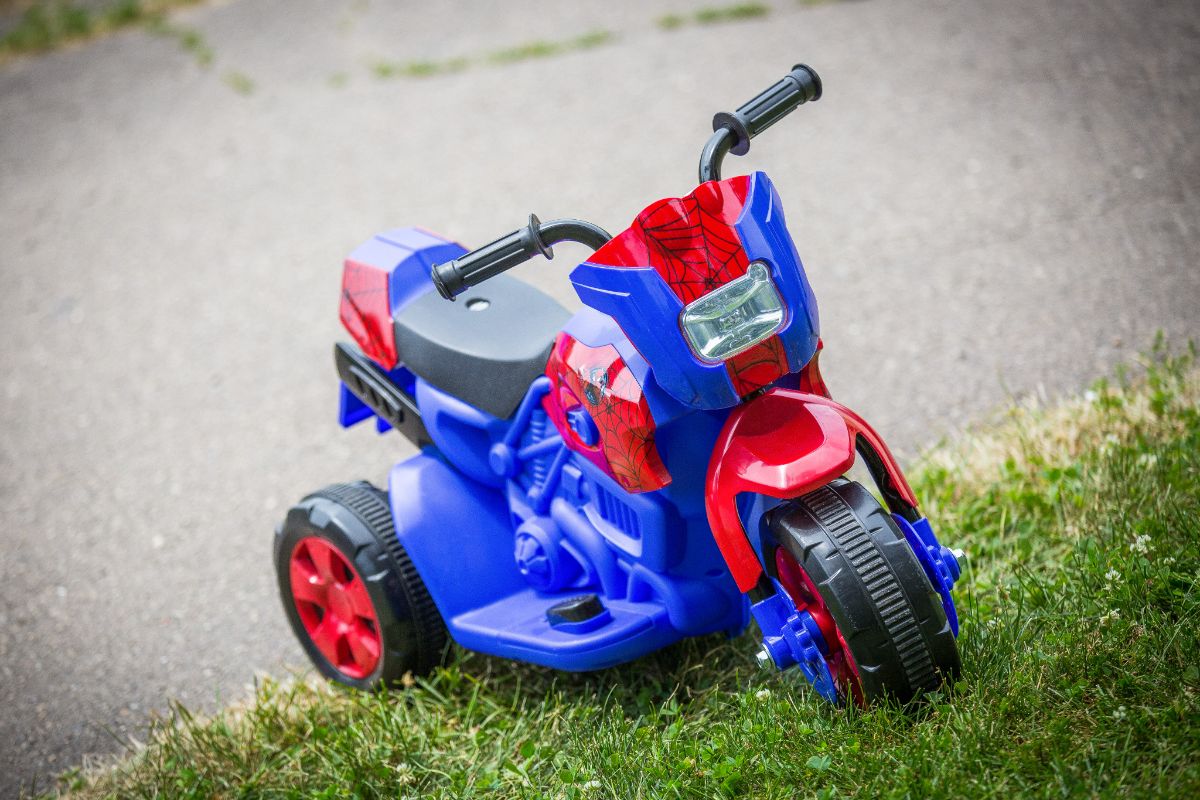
[(665, 463)]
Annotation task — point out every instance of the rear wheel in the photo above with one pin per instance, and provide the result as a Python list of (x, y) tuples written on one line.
[(351, 593), (841, 557)]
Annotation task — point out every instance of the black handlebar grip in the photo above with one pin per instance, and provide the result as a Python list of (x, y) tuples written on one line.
[(797, 87), (455, 277)]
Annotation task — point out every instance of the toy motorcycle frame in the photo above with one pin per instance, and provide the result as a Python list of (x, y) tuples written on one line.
[(665, 463)]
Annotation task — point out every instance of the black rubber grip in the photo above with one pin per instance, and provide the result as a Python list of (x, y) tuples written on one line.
[(455, 277), (535, 239), (796, 88)]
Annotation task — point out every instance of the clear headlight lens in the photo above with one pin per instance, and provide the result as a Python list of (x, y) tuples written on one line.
[(734, 318)]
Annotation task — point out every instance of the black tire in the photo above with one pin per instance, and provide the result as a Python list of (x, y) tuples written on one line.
[(885, 609), (357, 521)]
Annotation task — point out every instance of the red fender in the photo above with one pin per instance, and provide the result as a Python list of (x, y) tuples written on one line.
[(783, 444)]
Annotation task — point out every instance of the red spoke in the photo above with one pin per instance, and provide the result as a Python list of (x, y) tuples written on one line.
[(308, 588), (323, 557), (360, 601), (302, 565), (325, 637), (364, 647)]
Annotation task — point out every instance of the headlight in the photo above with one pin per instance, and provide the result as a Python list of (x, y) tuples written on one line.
[(734, 318)]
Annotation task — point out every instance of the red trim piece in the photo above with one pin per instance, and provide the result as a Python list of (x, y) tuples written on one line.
[(811, 380), (774, 446), (804, 594), (334, 607), (783, 444), (859, 427), (598, 380), (366, 313)]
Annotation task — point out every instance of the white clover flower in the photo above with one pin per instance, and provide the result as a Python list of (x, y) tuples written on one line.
[(1112, 575), (1141, 544), (1147, 459), (1169, 560), (762, 694), (590, 786), (1110, 616), (1119, 715)]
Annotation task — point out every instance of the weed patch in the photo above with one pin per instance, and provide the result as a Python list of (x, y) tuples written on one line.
[(51, 24)]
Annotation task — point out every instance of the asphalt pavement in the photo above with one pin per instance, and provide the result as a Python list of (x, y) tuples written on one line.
[(992, 199)]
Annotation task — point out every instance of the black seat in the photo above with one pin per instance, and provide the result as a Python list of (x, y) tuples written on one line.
[(485, 348)]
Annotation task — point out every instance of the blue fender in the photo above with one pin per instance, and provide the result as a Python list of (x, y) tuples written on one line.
[(456, 531)]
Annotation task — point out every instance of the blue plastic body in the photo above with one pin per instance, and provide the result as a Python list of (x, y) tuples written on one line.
[(503, 521)]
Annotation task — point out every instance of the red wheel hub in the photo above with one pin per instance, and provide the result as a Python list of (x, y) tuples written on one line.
[(334, 607), (806, 597)]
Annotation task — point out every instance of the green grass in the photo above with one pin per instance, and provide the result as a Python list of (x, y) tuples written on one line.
[(508, 55), (712, 15), (50, 24), (190, 39), (1080, 649), (239, 82)]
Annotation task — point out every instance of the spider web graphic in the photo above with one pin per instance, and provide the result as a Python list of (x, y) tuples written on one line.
[(599, 380), (762, 364), (694, 246), (690, 248), (365, 311), (691, 242)]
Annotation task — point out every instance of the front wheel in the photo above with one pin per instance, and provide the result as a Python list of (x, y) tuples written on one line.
[(841, 557)]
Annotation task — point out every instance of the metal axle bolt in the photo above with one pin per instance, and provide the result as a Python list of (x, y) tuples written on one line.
[(764, 658)]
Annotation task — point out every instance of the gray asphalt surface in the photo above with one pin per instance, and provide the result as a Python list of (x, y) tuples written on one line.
[(992, 198)]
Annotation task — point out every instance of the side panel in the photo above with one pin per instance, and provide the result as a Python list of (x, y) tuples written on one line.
[(456, 531), (598, 406), (459, 536), (462, 433), (497, 560)]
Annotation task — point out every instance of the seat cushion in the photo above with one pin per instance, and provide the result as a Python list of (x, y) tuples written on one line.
[(485, 348)]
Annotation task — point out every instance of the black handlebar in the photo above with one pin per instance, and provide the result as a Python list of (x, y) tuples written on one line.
[(732, 132), (455, 277)]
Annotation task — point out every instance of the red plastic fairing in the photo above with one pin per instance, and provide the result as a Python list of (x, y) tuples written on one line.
[(810, 374), (691, 242), (365, 311), (783, 444), (597, 380)]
